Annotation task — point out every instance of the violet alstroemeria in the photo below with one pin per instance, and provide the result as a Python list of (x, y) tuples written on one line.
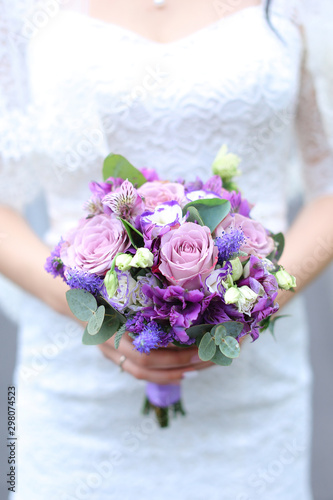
[(164, 217), (125, 203)]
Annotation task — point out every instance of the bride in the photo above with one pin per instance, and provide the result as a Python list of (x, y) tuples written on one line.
[(164, 83)]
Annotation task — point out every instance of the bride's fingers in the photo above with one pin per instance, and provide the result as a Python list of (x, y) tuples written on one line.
[(161, 376), (160, 358)]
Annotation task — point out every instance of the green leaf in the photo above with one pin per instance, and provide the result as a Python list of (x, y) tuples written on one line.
[(133, 237), (207, 347), (230, 347), (194, 216), (220, 359), (211, 211), (233, 328), (119, 335), (220, 334), (272, 322), (111, 311), (109, 327), (118, 166), (82, 304), (198, 330), (276, 254), (96, 321)]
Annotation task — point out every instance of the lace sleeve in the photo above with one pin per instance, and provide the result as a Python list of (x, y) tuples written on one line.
[(313, 130), (18, 135)]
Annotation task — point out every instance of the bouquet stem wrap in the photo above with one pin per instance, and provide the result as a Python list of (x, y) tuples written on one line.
[(161, 399)]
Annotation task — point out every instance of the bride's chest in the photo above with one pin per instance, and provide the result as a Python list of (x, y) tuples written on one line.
[(233, 66)]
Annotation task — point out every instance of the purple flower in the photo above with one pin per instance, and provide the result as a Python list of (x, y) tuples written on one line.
[(152, 336), (229, 244), (135, 324), (238, 204), (125, 203), (176, 306), (159, 221), (75, 278), (265, 285), (150, 174), (214, 185), (54, 264)]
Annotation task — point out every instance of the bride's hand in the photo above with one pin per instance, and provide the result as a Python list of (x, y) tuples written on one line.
[(162, 366)]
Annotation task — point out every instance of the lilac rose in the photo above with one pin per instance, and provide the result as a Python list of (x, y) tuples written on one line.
[(157, 192), (94, 243), (257, 242), (188, 255)]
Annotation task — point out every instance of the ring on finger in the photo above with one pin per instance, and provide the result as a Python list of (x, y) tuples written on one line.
[(121, 362)]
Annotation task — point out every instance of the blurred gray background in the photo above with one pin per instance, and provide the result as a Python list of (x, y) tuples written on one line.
[(319, 297)]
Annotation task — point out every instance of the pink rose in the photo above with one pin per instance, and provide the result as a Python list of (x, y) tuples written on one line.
[(188, 255), (157, 192), (257, 242), (94, 243)]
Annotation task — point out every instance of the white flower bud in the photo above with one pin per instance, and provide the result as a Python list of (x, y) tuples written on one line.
[(123, 261), (285, 280), (237, 269), (248, 299), (143, 258), (243, 298), (226, 164), (232, 295)]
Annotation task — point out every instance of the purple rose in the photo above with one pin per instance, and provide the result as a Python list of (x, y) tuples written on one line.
[(188, 255), (94, 243), (257, 242), (157, 192)]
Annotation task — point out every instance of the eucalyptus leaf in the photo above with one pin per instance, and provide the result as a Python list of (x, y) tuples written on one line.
[(207, 347), (220, 359), (220, 334), (233, 328), (109, 327), (118, 166), (211, 211), (96, 321), (230, 347), (193, 216), (82, 304), (197, 330)]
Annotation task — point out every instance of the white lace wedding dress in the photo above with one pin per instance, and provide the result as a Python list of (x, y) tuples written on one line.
[(99, 88)]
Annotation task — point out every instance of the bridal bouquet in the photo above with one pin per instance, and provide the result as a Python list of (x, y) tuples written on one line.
[(171, 263)]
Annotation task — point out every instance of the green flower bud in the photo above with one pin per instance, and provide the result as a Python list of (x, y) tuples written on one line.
[(228, 282), (123, 261), (285, 280), (143, 258), (226, 164), (237, 269), (111, 283)]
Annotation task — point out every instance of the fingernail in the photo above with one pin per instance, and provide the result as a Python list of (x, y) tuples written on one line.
[(190, 374), (196, 359)]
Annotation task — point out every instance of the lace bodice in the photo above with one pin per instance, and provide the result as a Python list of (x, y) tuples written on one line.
[(98, 88)]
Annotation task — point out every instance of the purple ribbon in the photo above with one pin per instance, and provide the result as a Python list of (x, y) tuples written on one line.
[(162, 395)]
